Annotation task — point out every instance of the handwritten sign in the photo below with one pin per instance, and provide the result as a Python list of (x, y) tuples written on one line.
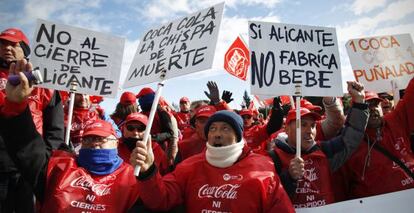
[(180, 47), (376, 61), (66, 54), (285, 55)]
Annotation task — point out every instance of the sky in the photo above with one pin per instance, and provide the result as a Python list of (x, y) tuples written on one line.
[(130, 19)]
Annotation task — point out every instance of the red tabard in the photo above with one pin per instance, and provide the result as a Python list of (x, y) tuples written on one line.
[(315, 188), (183, 120), (70, 188), (249, 186)]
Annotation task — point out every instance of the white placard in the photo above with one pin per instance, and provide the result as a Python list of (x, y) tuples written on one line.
[(184, 46), (376, 61), (400, 202), (64, 54), (284, 55)]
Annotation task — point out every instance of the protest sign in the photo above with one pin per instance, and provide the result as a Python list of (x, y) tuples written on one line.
[(383, 61), (66, 54), (237, 59), (180, 47), (285, 55)]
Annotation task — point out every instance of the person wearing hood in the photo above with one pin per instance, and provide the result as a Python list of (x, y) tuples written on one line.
[(96, 180), (46, 107), (164, 129), (226, 177), (309, 176)]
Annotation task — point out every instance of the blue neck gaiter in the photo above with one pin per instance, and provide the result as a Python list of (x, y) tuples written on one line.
[(99, 161)]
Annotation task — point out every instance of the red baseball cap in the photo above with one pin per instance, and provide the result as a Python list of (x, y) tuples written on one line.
[(136, 116), (303, 112), (369, 95), (246, 112), (144, 91), (308, 105), (205, 111), (99, 128), (184, 99), (14, 35), (96, 99), (128, 98)]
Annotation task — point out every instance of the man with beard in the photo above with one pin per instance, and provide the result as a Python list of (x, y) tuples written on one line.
[(96, 180), (226, 177), (384, 162)]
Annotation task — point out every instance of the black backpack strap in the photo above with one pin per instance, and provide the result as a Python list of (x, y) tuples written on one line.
[(276, 160), (395, 159)]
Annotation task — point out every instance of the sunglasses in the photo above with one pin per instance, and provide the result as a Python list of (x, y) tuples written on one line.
[(139, 128), (246, 117)]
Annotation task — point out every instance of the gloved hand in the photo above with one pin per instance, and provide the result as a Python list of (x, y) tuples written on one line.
[(214, 94), (277, 103), (226, 96)]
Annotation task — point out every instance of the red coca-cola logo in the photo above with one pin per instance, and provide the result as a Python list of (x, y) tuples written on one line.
[(88, 184), (226, 191)]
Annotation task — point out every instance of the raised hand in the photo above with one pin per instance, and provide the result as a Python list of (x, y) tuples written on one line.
[(226, 96), (356, 90), (214, 94), (20, 92)]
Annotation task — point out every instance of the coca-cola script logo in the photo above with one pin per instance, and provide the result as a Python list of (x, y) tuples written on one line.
[(226, 191), (88, 184)]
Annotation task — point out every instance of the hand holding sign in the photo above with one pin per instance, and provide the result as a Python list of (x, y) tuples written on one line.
[(142, 155), (296, 168)]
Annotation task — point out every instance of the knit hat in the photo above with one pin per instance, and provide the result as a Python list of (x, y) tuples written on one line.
[(232, 118)]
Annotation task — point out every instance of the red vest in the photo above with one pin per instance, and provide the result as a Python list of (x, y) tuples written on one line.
[(70, 188), (315, 188)]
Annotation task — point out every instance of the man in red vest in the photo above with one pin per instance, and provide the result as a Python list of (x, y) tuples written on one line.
[(307, 179), (226, 177)]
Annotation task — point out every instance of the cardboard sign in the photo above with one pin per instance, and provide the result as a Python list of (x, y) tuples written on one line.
[(180, 47), (377, 61), (237, 59), (285, 55), (66, 54)]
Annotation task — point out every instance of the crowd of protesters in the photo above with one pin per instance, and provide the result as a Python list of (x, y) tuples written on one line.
[(202, 157)]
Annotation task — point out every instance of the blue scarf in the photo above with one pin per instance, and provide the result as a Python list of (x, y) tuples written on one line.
[(99, 161)]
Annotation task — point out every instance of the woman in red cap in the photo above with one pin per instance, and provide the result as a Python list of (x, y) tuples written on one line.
[(127, 105)]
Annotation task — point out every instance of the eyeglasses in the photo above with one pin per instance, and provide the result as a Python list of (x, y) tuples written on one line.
[(96, 139), (139, 128)]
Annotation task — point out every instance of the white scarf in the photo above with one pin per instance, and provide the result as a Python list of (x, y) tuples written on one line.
[(225, 156)]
